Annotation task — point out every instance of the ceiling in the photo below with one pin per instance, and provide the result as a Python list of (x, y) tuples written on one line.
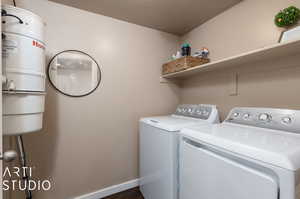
[(173, 16)]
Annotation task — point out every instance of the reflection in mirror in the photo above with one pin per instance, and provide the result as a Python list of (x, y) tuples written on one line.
[(74, 73)]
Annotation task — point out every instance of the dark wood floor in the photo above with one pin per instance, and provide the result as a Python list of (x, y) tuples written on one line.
[(129, 194)]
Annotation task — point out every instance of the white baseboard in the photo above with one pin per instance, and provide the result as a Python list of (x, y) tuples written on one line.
[(110, 190)]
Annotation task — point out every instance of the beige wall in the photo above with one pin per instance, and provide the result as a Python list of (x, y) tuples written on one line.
[(92, 142), (248, 25)]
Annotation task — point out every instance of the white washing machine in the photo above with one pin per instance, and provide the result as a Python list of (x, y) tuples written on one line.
[(159, 148), (253, 154)]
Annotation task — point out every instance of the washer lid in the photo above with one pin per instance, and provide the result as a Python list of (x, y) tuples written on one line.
[(274, 147), (171, 123)]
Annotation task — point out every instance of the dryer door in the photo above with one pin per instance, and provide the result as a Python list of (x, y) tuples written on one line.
[(206, 174)]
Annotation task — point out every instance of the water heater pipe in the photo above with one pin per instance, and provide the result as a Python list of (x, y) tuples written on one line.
[(22, 158)]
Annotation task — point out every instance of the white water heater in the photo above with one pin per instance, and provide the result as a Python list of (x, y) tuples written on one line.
[(23, 68)]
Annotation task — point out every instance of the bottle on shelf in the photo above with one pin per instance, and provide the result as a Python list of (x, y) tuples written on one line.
[(186, 49)]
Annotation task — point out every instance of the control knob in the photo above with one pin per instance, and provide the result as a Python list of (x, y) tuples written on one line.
[(236, 114), (286, 120), (264, 117), (246, 116)]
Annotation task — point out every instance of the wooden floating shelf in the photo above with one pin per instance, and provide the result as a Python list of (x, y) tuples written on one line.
[(263, 54)]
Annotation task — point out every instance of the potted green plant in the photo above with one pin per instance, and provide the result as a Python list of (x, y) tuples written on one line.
[(288, 18)]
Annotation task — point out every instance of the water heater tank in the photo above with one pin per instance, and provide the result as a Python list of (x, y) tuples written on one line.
[(23, 63)]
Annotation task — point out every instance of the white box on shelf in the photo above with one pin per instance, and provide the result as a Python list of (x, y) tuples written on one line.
[(289, 35)]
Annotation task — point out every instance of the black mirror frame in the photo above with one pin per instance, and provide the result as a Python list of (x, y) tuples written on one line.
[(66, 94)]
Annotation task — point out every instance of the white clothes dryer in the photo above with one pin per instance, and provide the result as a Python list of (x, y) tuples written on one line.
[(253, 154), (159, 148)]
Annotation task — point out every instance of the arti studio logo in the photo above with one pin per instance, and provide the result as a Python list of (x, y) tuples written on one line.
[(17, 180)]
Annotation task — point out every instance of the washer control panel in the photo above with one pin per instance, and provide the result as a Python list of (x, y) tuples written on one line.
[(201, 111), (277, 119)]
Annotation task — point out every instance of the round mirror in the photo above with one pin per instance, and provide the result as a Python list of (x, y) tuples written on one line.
[(74, 73)]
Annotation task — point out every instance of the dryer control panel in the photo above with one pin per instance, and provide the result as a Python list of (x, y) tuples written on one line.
[(201, 111), (277, 119)]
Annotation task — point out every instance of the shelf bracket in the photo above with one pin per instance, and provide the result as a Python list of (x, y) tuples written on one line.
[(233, 84), (163, 80)]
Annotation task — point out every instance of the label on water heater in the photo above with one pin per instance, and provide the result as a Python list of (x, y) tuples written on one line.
[(38, 44), (9, 47)]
